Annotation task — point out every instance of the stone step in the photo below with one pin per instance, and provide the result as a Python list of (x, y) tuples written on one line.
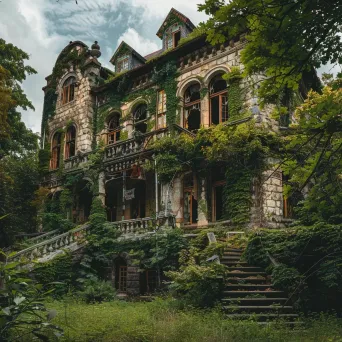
[(235, 263), (250, 280), (258, 309), (231, 249), (241, 294), (254, 301), (248, 287), (232, 254), (263, 317), (241, 274), (245, 269)]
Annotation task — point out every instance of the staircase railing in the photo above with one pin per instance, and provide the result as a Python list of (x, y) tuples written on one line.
[(136, 225), (54, 244)]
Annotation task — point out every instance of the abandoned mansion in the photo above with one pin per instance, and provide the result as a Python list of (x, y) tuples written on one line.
[(100, 128)]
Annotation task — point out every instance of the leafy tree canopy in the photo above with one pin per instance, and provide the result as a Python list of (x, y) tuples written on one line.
[(285, 38), (14, 136)]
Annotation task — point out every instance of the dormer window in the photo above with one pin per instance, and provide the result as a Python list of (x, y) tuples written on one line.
[(172, 37), (68, 91), (123, 63)]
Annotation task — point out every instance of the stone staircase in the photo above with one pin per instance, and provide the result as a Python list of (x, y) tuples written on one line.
[(249, 294)]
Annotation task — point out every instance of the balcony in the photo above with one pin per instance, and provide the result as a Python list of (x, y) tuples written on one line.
[(74, 162)]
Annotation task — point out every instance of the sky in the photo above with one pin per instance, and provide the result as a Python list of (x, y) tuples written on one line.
[(42, 28)]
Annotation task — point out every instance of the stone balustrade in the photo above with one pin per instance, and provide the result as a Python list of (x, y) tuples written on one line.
[(136, 226), (48, 247), (75, 161)]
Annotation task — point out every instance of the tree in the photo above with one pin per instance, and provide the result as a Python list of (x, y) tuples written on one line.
[(15, 138), (286, 39)]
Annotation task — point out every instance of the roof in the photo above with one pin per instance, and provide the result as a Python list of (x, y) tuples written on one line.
[(182, 17), (125, 45), (153, 54)]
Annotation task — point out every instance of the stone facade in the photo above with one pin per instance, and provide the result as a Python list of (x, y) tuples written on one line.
[(131, 194)]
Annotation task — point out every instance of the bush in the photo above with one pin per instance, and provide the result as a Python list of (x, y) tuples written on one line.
[(98, 291)]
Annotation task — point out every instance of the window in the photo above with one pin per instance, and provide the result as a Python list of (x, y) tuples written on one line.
[(123, 63), (56, 150), (176, 38), (190, 200), (68, 91), (140, 118), (122, 278), (70, 142), (192, 108), (161, 101), (218, 100), (113, 135)]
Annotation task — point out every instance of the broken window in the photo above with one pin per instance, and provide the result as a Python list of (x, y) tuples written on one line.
[(56, 150), (192, 107), (218, 100), (123, 63), (113, 135), (70, 142), (176, 38), (68, 91), (140, 118)]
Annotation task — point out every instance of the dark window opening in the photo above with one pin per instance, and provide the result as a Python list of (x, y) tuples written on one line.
[(140, 118), (219, 111), (194, 120), (138, 204), (218, 203), (68, 91), (192, 107), (70, 149), (190, 200), (176, 38), (56, 150), (113, 135)]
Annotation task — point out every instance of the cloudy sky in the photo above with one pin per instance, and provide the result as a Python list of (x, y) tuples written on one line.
[(43, 28)]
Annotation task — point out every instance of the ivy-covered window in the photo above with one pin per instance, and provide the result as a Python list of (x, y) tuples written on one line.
[(56, 150), (140, 118), (68, 90), (123, 63), (113, 134), (70, 142), (219, 111), (172, 37), (161, 109), (192, 107)]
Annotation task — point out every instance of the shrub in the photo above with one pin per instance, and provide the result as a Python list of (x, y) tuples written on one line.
[(98, 291)]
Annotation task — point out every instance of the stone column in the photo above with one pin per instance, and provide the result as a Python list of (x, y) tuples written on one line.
[(177, 199), (205, 105), (102, 187), (202, 202)]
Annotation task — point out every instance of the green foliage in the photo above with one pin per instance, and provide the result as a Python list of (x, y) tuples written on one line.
[(19, 179), (160, 321), (98, 291), (309, 256), (21, 303), (313, 155), (97, 214), (44, 157), (235, 95), (60, 270)]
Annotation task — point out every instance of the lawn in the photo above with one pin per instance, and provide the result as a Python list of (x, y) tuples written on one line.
[(161, 321)]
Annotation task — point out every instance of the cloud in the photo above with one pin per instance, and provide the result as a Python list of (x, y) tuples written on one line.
[(42, 28), (140, 44)]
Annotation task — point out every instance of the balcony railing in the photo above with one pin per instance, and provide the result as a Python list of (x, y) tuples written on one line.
[(135, 226), (75, 161), (48, 247)]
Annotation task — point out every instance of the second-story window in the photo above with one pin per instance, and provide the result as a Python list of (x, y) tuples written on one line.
[(140, 118), (123, 63), (56, 150), (192, 107), (114, 129), (218, 100), (70, 142), (68, 91)]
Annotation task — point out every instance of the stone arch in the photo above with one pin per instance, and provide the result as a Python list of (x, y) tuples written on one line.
[(136, 103), (187, 83), (213, 72)]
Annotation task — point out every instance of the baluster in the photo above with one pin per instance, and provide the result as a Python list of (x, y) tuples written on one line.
[(197, 57), (182, 63)]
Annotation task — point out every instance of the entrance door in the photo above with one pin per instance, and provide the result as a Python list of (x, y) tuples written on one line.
[(217, 204), (122, 278)]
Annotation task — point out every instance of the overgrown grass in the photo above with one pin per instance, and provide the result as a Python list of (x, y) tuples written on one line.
[(162, 321)]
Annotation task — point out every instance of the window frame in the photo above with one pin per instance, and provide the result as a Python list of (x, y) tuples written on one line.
[(220, 94), (56, 151), (69, 140), (187, 106), (113, 132), (123, 64), (174, 38), (142, 121), (68, 90)]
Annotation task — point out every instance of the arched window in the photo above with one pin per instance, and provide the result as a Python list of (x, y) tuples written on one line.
[(70, 142), (68, 91), (113, 129), (56, 150), (218, 100), (140, 118), (192, 107)]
